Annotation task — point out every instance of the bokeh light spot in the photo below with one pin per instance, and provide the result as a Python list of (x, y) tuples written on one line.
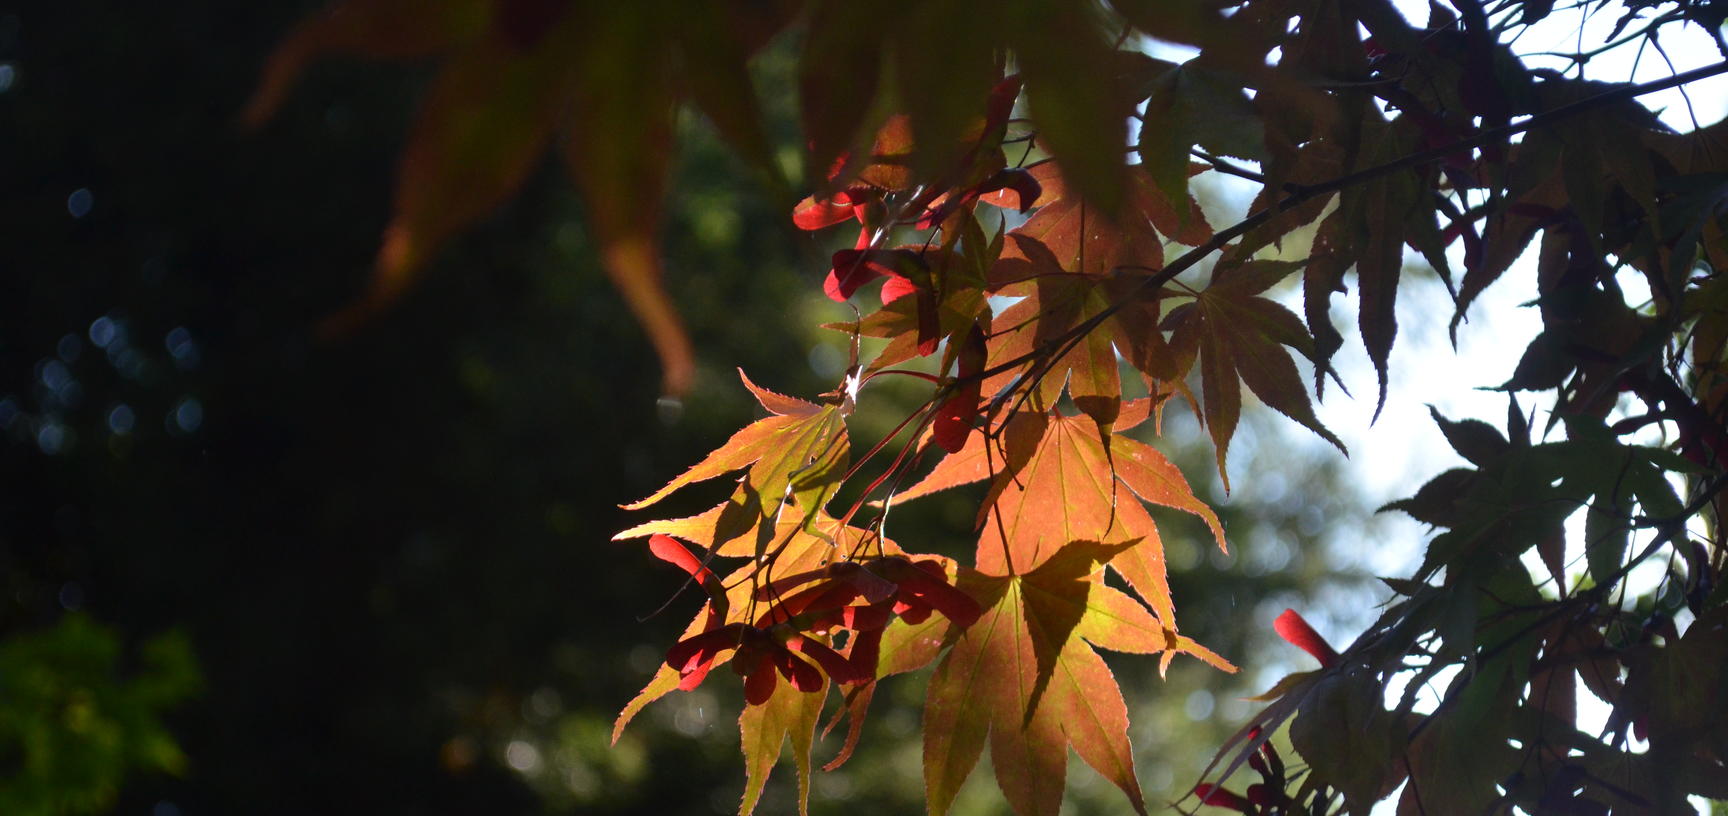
[(121, 419), (80, 202)]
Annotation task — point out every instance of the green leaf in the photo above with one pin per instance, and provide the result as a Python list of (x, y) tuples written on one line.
[(1349, 739), (765, 728), (796, 458), (1195, 104), (1072, 90), (1473, 439)]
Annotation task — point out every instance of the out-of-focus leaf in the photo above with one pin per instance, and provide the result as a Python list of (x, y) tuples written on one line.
[(942, 78), (715, 73), (1072, 89), (483, 126), (838, 76), (617, 147), (380, 29)]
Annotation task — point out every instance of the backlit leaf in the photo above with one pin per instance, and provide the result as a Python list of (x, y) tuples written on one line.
[(1238, 335), (1025, 677), (795, 459), (765, 728)]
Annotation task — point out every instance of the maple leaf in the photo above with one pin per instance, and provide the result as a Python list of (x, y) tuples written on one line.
[(1237, 335), (1071, 264), (777, 714), (1026, 677), (805, 546), (1053, 482), (795, 459), (763, 729), (513, 73)]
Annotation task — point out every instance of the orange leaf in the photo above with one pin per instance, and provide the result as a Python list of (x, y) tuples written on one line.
[(795, 459), (1024, 677)]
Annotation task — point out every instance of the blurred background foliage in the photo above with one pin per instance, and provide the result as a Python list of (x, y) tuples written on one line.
[(247, 571)]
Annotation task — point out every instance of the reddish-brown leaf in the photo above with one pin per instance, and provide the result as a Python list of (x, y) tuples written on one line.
[(482, 127), (616, 148), (1052, 483), (379, 29)]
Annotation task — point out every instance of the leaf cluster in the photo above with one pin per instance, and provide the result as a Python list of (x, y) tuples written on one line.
[(1057, 295)]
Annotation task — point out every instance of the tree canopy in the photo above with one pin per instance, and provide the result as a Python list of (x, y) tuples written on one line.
[(1019, 175)]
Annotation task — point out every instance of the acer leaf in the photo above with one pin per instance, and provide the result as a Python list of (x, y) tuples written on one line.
[(837, 80), (1381, 213), (955, 417), (1070, 263), (795, 459), (806, 552), (1073, 93), (1194, 104), (1025, 679), (1350, 741), (942, 78), (624, 90), (482, 127), (1237, 335), (1052, 482), (381, 29), (905, 324), (715, 41), (765, 728)]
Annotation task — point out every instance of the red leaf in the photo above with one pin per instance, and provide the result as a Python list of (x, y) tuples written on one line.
[(838, 668), (1218, 797), (1293, 628), (814, 214), (668, 549), (852, 268), (955, 418)]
